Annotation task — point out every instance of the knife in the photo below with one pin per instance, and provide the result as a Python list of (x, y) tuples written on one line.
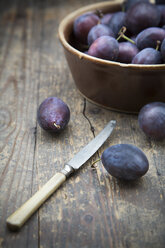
[(20, 216)]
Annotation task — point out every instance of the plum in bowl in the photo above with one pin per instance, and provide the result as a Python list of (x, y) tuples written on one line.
[(118, 86)]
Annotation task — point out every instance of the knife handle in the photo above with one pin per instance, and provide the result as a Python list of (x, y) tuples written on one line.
[(20, 216)]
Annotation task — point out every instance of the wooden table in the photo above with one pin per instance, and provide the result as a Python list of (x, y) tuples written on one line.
[(91, 209)]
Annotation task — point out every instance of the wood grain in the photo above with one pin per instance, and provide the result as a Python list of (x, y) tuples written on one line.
[(91, 209)]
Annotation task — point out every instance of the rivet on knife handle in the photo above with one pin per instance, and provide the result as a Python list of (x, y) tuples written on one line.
[(20, 216)]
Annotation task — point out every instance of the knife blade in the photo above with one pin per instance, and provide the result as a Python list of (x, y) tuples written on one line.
[(86, 152), (16, 220)]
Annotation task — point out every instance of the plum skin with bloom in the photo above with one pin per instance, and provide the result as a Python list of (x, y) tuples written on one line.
[(117, 22), (140, 16), (127, 51), (125, 161), (104, 47), (106, 18), (53, 114), (147, 56), (83, 24), (151, 120), (98, 31), (149, 37)]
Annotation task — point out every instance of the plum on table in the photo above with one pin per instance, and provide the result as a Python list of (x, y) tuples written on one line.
[(151, 120), (125, 161), (53, 114)]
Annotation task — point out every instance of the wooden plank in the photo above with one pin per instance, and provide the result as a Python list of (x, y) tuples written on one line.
[(19, 84), (91, 209)]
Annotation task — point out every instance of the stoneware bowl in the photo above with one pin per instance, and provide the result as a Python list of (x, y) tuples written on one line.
[(117, 86)]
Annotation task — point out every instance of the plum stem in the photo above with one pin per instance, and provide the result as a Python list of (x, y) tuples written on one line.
[(157, 45), (99, 13), (56, 125), (93, 164), (122, 35), (130, 40)]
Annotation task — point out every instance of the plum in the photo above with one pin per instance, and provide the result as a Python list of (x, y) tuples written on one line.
[(117, 22), (83, 24), (149, 37), (140, 16), (125, 161), (151, 120), (98, 31), (53, 114), (128, 3), (104, 47), (148, 56), (106, 18), (127, 52)]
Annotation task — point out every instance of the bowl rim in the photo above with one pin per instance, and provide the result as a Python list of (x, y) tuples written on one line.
[(70, 17)]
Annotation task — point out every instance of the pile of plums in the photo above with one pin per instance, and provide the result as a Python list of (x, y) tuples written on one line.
[(135, 35)]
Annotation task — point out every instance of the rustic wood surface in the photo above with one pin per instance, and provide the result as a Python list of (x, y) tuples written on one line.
[(91, 209)]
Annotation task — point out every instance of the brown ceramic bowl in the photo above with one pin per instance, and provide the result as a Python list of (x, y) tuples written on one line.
[(117, 86)]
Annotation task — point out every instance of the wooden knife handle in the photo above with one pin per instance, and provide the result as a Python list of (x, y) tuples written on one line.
[(20, 216)]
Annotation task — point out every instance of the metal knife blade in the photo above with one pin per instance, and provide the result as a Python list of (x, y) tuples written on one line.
[(86, 152)]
